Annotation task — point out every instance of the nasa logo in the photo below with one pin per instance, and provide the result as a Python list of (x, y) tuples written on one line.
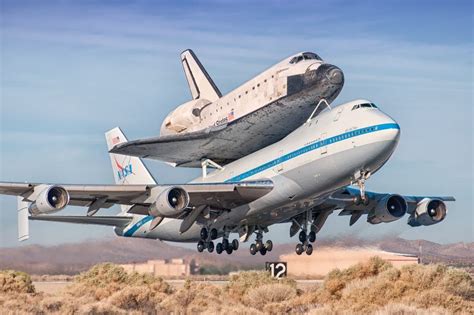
[(123, 171)]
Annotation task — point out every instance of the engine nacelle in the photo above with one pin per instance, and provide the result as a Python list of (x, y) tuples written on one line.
[(170, 203), (428, 212), (388, 209), (51, 199)]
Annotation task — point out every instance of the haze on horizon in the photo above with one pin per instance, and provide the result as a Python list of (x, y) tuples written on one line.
[(72, 70)]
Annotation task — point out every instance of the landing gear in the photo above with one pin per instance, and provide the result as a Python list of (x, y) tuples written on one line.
[(304, 237), (362, 177), (206, 240), (259, 246), (225, 245)]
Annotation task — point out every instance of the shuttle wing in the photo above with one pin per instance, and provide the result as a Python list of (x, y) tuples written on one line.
[(222, 144), (223, 196)]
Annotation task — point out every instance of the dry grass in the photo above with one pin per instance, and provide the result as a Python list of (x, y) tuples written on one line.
[(375, 287)]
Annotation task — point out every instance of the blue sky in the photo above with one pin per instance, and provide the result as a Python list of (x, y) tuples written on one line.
[(70, 70)]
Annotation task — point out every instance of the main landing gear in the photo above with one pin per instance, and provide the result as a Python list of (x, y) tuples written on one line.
[(206, 242), (304, 237), (362, 199), (260, 246)]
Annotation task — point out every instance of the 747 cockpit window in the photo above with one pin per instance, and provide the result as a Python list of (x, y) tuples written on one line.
[(364, 105)]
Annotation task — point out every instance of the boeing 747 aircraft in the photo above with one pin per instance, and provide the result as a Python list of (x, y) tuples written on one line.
[(301, 179), (224, 128)]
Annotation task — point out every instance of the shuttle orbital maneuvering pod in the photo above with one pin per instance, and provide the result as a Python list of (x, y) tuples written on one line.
[(301, 179), (224, 128)]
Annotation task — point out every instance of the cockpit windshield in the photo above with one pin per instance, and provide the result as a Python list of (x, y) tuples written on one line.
[(305, 56), (364, 105)]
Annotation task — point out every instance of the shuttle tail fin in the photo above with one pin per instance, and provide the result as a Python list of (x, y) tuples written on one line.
[(127, 169), (199, 81)]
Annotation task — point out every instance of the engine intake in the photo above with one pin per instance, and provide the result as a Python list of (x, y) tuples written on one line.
[(388, 209), (51, 199), (428, 212), (170, 203)]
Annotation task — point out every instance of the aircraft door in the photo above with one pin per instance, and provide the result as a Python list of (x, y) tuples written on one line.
[(279, 167), (324, 144)]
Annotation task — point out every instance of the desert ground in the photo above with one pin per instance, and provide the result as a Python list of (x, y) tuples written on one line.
[(372, 287)]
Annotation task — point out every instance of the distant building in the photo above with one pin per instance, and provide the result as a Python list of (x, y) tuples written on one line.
[(325, 259), (165, 268)]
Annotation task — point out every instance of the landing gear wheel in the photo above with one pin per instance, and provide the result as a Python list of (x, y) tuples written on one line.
[(235, 244), (269, 245), (200, 246), (309, 249), (219, 248), (302, 236), (253, 249), (312, 236), (210, 247), (213, 234), (225, 244), (229, 250), (204, 234), (263, 251), (299, 249), (259, 245)]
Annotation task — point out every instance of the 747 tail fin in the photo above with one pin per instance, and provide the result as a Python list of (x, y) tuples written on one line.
[(199, 81), (127, 169)]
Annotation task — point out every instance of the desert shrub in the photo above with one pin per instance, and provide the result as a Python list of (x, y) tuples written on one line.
[(242, 282), (403, 309), (195, 297), (260, 296), (15, 282), (102, 280)]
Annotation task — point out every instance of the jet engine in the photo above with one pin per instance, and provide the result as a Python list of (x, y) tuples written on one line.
[(388, 209), (428, 212), (51, 199), (170, 203)]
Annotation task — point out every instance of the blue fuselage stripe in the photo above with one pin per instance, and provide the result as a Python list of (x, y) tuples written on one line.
[(137, 225), (312, 147)]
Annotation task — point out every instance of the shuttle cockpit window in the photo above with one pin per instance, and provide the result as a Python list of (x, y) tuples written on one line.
[(310, 55), (305, 56)]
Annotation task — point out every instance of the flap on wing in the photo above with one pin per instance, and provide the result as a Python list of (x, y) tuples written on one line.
[(99, 220)]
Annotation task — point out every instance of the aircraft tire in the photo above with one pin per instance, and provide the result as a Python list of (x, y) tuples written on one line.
[(269, 245), (229, 250), (219, 248), (258, 245), (263, 251), (235, 244), (210, 247), (200, 246), (309, 249), (225, 244), (299, 249), (312, 236), (253, 249), (213, 234)]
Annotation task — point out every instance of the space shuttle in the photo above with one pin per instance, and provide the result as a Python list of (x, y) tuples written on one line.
[(223, 128)]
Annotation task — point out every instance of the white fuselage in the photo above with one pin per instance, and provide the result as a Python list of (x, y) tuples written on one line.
[(318, 158)]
